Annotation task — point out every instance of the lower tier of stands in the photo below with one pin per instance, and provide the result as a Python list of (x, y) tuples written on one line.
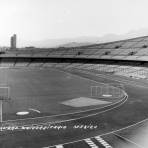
[(127, 71)]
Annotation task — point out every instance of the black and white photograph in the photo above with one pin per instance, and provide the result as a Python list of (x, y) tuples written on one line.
[(73, 74)]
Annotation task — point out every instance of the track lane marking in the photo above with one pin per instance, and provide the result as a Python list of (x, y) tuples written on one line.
[(103, 142), (90, 143)]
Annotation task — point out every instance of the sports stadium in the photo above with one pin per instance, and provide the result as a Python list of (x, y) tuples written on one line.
[(92, 96)]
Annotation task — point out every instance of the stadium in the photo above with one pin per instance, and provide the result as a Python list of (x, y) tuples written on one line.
[(92, 96)]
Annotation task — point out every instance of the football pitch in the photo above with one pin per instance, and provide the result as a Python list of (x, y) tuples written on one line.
[(47, 92)]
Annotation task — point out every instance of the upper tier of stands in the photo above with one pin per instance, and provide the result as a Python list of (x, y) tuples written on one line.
[(131, 49)]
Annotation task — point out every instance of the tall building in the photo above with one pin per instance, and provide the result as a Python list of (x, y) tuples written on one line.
[(13, 41)]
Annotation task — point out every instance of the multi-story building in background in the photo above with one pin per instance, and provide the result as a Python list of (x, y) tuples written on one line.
[(13, 41)]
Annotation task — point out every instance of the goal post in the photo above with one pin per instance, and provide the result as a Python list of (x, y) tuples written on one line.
[(112, 89), (4, 97), (96, 91)]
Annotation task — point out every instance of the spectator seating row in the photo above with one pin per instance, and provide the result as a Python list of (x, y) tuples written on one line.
[(131, 49)]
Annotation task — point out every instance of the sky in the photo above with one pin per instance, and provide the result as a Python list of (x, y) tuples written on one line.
[(35, 20)]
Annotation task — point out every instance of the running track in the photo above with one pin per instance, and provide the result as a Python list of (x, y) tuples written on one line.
[(115, 124)]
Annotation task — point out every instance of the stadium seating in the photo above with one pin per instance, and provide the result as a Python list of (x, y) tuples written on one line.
[(127, 71), (131, 49)]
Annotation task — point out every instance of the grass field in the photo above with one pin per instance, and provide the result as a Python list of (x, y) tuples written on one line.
[(41, 92)]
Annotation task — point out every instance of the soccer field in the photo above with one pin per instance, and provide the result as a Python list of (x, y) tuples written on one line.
[(46, 92)]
